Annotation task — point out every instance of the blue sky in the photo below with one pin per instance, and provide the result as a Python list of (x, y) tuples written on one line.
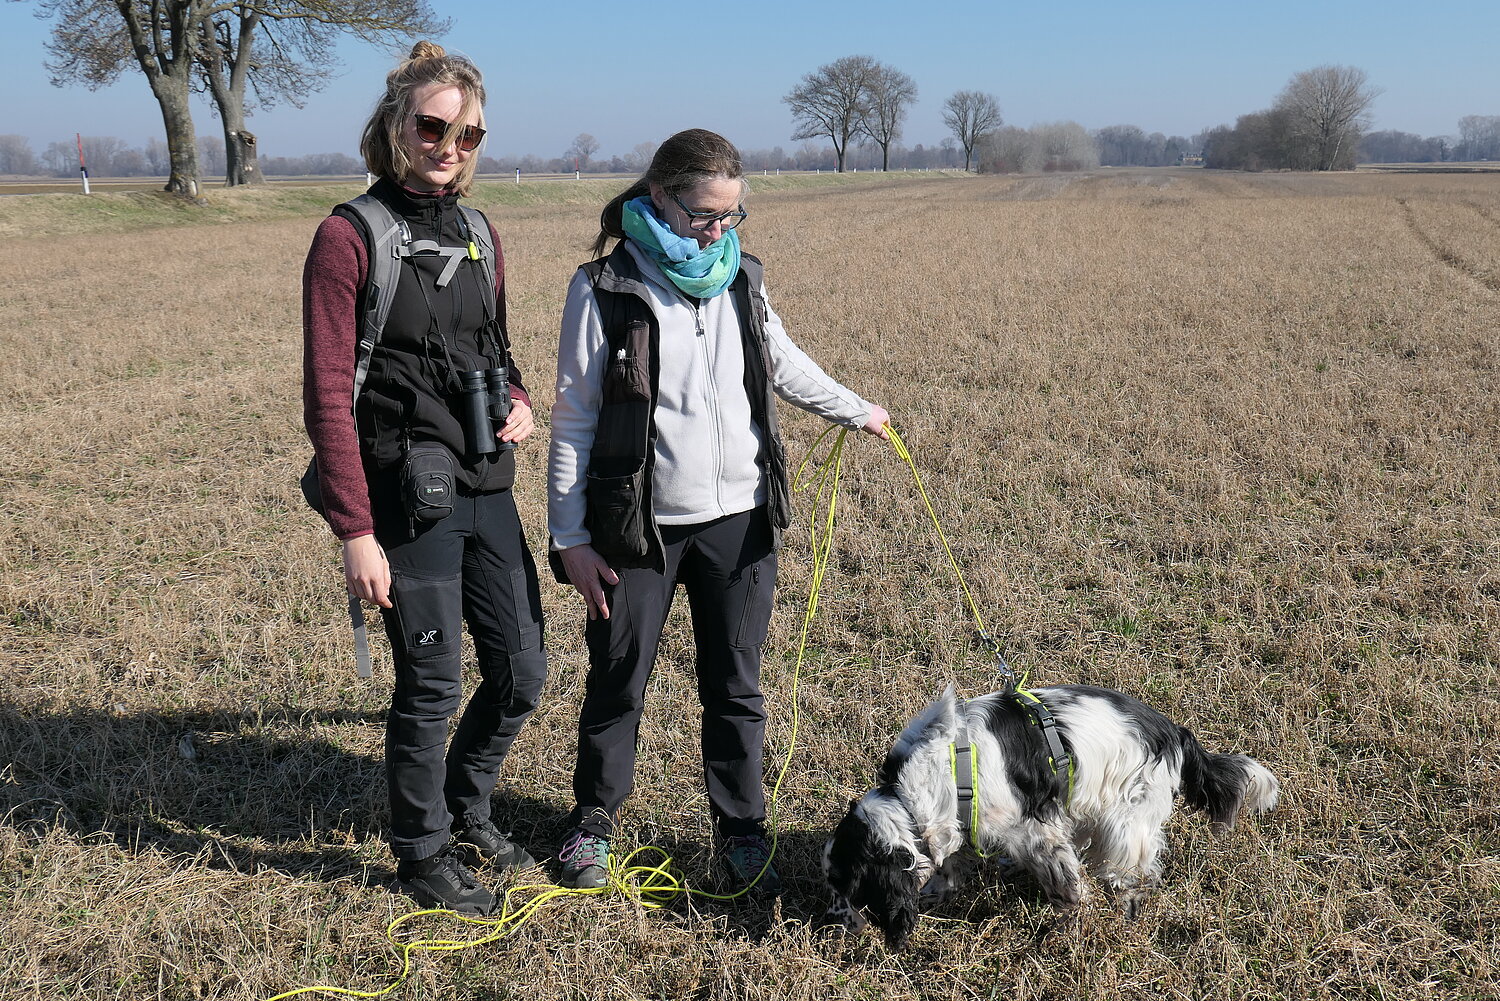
[(632, 73)]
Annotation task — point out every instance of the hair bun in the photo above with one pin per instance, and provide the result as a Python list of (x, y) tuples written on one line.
[(427, 50)]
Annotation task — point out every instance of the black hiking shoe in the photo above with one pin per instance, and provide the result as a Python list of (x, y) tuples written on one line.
[(442, 880), (747, 863), (482, 844)]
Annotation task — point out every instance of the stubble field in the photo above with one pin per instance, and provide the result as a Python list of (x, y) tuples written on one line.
[(1227, 442)]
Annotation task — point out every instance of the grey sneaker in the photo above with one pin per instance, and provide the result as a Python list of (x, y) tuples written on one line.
[(585, 861), (483, 844), (747, 861), (442, 880)]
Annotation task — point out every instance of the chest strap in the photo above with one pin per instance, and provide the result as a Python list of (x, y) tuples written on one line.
[(963, 758)]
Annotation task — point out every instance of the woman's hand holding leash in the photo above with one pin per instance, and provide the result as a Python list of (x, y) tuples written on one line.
[(585, 569), (876, 425), (366, 572)]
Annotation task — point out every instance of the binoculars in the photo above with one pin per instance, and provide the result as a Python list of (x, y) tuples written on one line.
[(483, 406)]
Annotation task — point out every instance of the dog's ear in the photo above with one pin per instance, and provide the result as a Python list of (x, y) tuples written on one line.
[(888, 891)]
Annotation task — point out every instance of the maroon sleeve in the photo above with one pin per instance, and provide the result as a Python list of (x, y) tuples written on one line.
[(517, 386), (335, 271)]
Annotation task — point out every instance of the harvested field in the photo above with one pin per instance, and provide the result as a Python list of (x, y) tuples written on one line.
[(1229, 442)]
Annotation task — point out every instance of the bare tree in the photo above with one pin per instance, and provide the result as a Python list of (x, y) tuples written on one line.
[(93, 40), (582, 151), (832, 101), (970, 115), (16, 156), (891, 92), (60, 158), (211, 154), (639, 158), (1326, 111), (1061, 146), (158, 160), (1479, 137), (284, 50), (180, 44)]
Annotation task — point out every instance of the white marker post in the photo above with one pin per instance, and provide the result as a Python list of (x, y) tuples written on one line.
[(82, 169)]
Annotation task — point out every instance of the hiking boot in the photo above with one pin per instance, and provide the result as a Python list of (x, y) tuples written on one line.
[(442, 880), (747, 860), (483, 844), (585, 861)]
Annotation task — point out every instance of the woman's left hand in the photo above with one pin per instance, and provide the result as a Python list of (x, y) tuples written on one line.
[(876, 425), (520, 423)]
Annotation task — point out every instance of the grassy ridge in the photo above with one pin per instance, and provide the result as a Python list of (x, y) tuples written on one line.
[(1224, 441), (120, 212)]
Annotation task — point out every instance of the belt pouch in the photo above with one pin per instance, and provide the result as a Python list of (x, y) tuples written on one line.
[(427, 482)]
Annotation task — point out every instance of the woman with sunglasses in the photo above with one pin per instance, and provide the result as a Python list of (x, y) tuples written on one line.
[(416, 472), (666, 467)]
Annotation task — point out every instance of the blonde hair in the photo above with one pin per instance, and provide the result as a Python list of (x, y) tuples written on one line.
[(683, 162), (429, 63)]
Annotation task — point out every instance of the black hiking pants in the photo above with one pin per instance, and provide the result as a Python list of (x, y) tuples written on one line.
[(472, 567), (728, 568)]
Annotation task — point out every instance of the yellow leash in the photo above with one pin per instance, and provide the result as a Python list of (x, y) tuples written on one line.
[(654, 886), (905, 454), (650, 886)]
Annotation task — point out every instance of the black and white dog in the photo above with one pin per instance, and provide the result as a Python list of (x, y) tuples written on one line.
[(902, 840)]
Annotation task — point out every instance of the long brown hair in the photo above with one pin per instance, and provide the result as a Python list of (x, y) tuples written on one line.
[(384, 152), (684, 161)]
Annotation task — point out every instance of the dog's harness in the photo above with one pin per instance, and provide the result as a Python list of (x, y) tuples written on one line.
[(963, 756)]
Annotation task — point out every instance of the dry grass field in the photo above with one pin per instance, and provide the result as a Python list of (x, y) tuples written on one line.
[(1227, 442)]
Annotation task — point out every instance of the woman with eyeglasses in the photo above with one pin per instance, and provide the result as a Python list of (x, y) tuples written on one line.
[(666, 467), (414, 440)]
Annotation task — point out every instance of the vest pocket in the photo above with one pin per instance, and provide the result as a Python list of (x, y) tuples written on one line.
[(615, 515), (627, 379)]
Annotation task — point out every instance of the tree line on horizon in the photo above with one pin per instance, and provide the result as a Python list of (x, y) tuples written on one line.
[(1042, 148), (253, 53)]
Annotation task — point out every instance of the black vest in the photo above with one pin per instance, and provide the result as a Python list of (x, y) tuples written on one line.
[(431, 334), (618, 487)]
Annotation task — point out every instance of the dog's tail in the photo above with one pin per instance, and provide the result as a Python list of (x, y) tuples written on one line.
[(1224, 785)]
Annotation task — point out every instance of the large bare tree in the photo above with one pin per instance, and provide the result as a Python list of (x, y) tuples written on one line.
[(832, 101), (93, 41), (970, 115), (891, 92), (282, 49), (1326, 111)]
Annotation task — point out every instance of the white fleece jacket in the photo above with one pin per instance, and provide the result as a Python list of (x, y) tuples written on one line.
[(707, 442)]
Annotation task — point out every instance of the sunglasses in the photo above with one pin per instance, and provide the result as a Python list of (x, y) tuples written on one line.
[(432, 130)]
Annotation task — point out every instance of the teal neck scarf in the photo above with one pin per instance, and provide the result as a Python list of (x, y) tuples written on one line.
[(699, 272)]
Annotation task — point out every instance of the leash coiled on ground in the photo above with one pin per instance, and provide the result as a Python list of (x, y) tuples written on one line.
[(657, 885)]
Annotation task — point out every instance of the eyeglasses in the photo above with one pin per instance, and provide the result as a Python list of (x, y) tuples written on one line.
[(700, 221), (432, 130)]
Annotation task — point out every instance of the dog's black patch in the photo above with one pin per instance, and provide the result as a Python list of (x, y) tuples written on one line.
[(873, 877), (1028, 765)]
